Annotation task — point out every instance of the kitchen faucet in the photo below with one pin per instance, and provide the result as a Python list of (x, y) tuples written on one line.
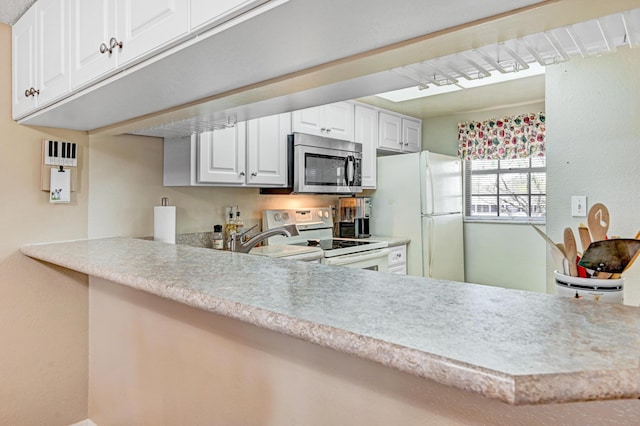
[(236, 244)]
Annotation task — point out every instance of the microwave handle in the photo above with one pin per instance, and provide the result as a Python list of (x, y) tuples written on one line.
[(349, 170)]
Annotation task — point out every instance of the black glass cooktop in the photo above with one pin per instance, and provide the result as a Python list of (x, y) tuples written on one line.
[(334, 244)]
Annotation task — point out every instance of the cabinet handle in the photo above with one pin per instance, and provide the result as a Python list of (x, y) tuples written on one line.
[(242, 173), (31, 92), (328, 130), (113, 43), (323, 130), (254, 174), (406, 144)]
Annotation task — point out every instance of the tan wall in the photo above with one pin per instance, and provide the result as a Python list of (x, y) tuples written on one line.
[(158, 362), (126, 182), (43, 310)]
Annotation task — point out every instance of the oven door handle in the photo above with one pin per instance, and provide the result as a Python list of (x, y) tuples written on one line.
[(350, 170), (357, 257)]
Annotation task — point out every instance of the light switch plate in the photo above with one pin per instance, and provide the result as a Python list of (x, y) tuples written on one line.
[(579, 206)]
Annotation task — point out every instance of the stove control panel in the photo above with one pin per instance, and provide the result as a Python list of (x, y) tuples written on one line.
[(304, 218)]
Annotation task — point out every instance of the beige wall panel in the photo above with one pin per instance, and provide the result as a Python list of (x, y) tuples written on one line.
[(43, 310)]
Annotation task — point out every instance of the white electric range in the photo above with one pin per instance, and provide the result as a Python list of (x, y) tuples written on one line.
[(315, 225)]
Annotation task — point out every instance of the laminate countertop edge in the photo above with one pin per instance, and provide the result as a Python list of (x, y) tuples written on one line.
[(340, 308)]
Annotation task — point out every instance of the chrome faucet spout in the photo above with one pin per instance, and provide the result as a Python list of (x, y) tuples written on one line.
[(236, 244)]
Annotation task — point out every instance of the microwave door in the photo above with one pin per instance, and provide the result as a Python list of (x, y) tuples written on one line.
[(318, 170)]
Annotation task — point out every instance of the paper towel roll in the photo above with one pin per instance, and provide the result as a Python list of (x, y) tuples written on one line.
[(164, 224)]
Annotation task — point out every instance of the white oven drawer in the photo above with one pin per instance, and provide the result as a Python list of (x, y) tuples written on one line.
[(377, 260), (398, 255)]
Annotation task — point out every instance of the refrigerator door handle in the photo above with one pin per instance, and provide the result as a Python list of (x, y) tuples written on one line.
[(430, 191), (440, 214), (430, 258)]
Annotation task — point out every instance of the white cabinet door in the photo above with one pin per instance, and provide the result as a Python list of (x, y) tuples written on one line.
[(267, 150), (52, 44), (207, 13), (399, 133), (411, 135), (221, 155), (338, 120), (93, 22), (390, 132), (144, 25), (308, 120), (24, 63), (40, 65), (332, 120), (366, 133)]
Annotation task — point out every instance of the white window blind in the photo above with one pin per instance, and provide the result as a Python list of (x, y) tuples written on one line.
[(512, 189)]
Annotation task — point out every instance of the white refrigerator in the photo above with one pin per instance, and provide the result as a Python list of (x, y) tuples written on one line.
[(419, 196)]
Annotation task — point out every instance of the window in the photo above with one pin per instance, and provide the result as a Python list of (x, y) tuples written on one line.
[(506, 189)]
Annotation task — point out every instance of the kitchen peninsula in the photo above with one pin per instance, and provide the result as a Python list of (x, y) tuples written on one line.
[(234, 336)]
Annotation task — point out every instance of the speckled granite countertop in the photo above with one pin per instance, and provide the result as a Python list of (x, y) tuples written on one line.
[(392, 241), (515, 346)]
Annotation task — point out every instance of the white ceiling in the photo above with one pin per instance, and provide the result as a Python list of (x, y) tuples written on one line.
[(11, 10)]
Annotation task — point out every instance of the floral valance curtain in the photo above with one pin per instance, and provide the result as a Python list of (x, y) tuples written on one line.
[(521, 136)]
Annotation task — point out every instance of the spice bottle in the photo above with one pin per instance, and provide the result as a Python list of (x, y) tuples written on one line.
[(218, 237)]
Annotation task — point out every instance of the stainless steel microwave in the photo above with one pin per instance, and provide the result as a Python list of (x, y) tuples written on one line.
[(325, 165)]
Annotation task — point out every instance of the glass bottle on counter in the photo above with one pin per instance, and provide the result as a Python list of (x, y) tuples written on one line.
[(229, 227), (218, 237), (239, 223)]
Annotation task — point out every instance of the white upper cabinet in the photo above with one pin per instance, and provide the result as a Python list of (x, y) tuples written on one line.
[(366, 132), (390, 132), (106, 34), (93, 23), (145, 25), (222, 155), (252, 153), (40, 65), (399, 133), (52, 63), (24, 63), (332, 120), (412, 135), (267, 150), (207, 13)]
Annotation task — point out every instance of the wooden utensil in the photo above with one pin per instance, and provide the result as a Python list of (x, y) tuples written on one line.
[(571, 251), (610, 255), (556, 253), (598, 221), (585, 236)]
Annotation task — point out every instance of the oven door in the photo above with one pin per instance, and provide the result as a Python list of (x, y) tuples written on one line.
[(376, 260), (335, 168)]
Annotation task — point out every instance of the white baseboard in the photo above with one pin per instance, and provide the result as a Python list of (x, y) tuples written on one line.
[(86, 422)]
